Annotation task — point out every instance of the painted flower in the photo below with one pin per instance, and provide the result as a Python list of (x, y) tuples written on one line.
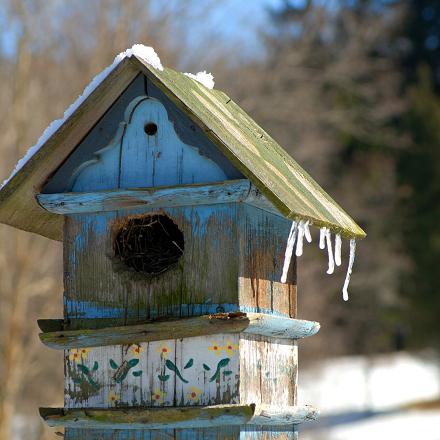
[(215, 348), (136, 350), (158, 396), (113, 398), (230, 347), (78, 354), (194, 394), (164, 350)]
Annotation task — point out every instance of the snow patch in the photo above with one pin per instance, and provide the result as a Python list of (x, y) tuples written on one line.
[(307, 233), (338, 246), (331, 261), (300, 239), (205, 78), (300, 230), (289, 250), (322, 238), (147, 54), (349, 269)]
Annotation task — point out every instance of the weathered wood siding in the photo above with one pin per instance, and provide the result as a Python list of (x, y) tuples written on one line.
[(204, 280), (268, 366)]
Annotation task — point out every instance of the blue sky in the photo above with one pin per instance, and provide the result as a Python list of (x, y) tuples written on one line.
[(234, 20)]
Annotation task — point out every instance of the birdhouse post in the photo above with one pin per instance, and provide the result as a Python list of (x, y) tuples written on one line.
[(174, 208)]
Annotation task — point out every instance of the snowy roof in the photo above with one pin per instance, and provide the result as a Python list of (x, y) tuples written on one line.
[(291, 190)]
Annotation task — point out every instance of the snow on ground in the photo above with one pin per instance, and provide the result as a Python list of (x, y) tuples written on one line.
[(423, 425), (367, 397), (378, 383)]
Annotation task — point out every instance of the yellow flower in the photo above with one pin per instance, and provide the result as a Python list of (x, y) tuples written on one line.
[(136, 350), (78, 354), (164, 350), (113, 398), (230, 348), (158, 396), (194, 394), (214, 347)]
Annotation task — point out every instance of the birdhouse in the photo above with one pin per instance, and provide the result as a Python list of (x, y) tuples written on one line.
[(179, 216)]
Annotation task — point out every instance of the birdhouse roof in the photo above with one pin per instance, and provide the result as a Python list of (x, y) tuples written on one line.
[(251, 149)]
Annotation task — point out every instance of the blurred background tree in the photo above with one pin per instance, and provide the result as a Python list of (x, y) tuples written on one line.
[(350, 88), (419, 171)]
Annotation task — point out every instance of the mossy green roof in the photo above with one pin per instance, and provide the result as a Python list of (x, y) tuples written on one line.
[(256, 154)]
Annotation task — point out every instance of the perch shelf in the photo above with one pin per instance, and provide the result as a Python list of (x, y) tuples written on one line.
[(179, 417), (60, 335)]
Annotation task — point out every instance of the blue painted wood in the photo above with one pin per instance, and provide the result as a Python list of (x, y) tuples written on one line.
[(101, 134), (136, 159), (105, 130), (159, 197), (224, 433), (203, 281), (191, 133)]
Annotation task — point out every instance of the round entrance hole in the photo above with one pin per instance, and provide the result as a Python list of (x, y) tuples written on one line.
[(150, 244), (150, 128)]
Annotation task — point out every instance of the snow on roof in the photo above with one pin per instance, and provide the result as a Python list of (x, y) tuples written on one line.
[(148, 54), (207, 79)]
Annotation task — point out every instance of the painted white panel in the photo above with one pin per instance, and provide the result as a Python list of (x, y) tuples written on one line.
[(192, 371)]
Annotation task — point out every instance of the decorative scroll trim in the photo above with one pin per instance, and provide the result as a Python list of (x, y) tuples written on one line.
[(61, 337), (179, 417)]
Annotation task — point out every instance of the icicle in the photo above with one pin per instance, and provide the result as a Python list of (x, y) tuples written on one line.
[(307, 233), (349, 269), (338, 245), (322, 238), (331, 261), (300, 239), (289, 251)]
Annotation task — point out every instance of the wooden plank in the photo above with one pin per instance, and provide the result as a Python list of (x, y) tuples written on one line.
[(178, 417), (230, 191), (221, 433), (161, 197), (251, 323)]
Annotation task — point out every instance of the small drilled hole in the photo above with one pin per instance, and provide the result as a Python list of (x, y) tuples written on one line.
[(150, 128), (150, 244)]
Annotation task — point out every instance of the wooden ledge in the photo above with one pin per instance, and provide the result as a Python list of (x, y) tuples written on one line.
[(97, 334), (240, 190), (178, 417)]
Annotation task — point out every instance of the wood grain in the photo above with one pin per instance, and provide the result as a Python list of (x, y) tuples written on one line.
[(184, 417), (235, 322), (229, 191)]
